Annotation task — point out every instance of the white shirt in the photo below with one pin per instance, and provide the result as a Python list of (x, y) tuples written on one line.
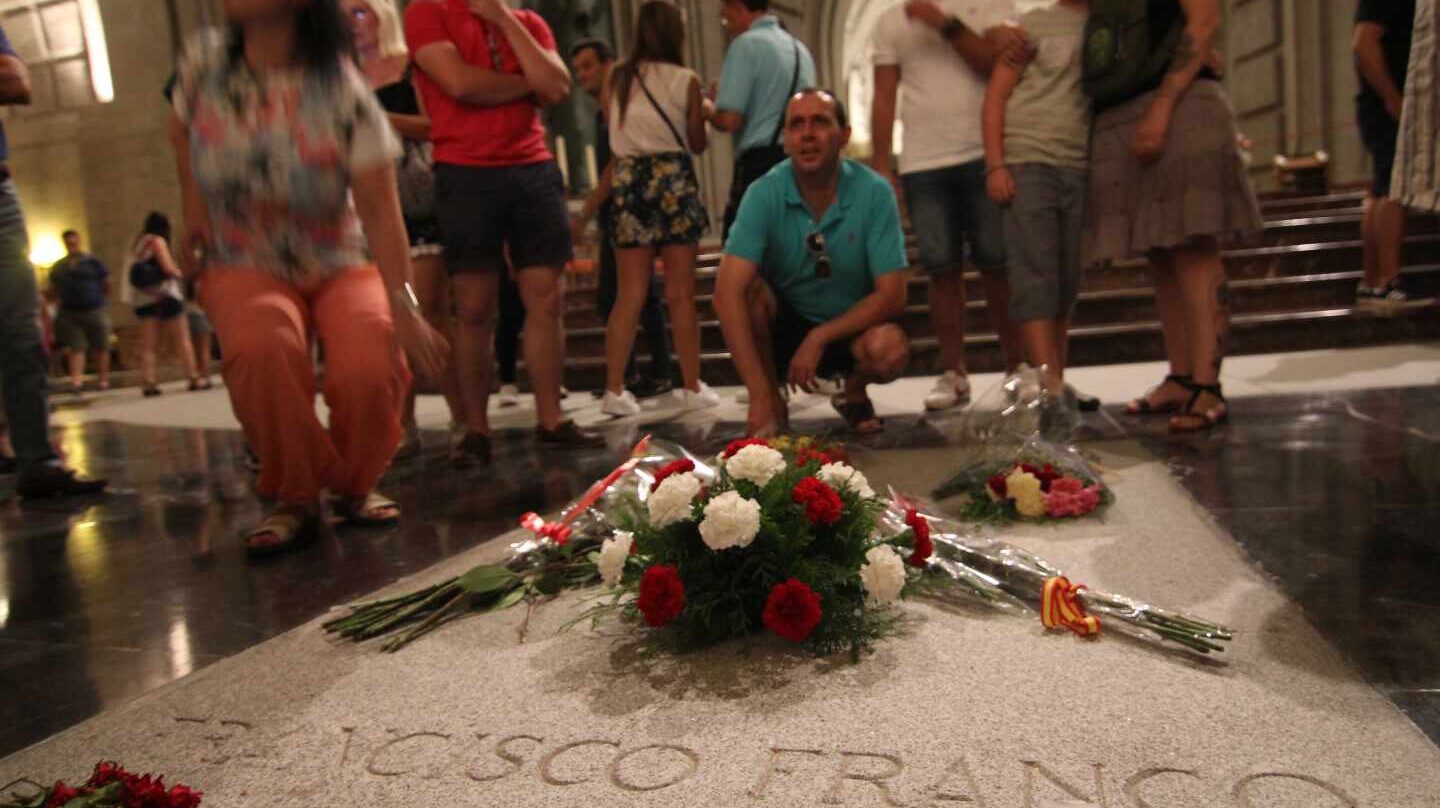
[(941, 98), (642, 131)]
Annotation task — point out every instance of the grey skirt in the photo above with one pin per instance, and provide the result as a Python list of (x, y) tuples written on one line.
[(1197, 188)]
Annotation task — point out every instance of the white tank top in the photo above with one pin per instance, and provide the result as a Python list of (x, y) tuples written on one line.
[(643, 131)]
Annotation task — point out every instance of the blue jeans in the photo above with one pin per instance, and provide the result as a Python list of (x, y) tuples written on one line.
[(22, 357), (954, 218)]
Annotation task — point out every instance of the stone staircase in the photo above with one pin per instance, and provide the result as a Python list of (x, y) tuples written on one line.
[(1293, 288)]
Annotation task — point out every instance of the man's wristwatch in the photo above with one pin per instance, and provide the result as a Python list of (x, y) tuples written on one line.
[(953, 25)]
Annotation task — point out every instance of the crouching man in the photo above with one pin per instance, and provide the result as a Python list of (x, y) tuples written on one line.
[(812, 283)]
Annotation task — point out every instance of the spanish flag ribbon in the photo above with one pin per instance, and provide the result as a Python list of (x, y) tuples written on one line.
[(559, 532), (1060, 606)]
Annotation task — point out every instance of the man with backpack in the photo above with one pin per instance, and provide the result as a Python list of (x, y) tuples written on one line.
[(764, 66)]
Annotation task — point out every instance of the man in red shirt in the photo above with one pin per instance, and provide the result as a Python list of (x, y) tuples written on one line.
[(485, 71)]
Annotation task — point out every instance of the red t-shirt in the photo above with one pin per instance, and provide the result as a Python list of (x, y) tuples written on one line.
[(463, 134)]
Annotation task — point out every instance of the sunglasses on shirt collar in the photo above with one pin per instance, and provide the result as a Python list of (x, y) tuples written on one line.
[(815, 244)]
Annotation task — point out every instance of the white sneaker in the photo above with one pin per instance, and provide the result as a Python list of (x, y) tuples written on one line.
[(621, 406), (509, 396), (743, 397), (950, 390), (702, 400), (829, 387)]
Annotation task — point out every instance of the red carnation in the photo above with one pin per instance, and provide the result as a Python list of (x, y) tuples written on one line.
[(736, 445), (107, 772), (822, 505), (61, 794), (806, 456), (924, 547), (998, 486), (182, 796), (1046, 476), (662, 595), (145, 792), (678, 467), (792, 610)]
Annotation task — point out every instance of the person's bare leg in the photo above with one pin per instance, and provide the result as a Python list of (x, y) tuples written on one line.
[(201, 345), (947, 314), (432, 287), (476, 301), (1369, 234), (1171, 307), (680, 300), (1042, 351), (881, 354), (149, 336), (763, 308), (179, 330), (997, 302), (76, 362), (1200, 274), (633, 267), (1062, 344), (543, 291), (102, 368), (1389, 241)]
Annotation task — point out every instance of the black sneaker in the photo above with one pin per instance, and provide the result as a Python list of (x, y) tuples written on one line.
[(646, 387), (470, 451), (568, 436), (57, 482), (1084, 402)]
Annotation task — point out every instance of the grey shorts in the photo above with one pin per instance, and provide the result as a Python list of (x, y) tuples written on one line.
[(86, 331), (954, 218), (1043, 229)]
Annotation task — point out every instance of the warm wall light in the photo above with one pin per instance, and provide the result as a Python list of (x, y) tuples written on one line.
[(99, 56), (46, 249)]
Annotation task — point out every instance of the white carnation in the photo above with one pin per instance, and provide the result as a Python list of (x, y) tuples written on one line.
[(730, 521), (883, 573), (671, 502), (613, 554), (758, 464), (839, 475)]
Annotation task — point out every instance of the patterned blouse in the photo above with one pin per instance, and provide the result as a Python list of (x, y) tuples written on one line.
[(273, 154)]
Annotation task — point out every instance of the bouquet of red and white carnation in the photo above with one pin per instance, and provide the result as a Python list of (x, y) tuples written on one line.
[(777, 540), (109, 786), (1038, 482)]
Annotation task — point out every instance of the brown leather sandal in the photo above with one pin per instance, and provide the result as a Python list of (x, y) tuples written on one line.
[(360, 511)]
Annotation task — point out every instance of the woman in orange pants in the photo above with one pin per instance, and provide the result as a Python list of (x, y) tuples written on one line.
[(275, 133)]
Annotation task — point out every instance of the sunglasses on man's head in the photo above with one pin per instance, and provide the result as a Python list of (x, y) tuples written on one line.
[(815, 243)]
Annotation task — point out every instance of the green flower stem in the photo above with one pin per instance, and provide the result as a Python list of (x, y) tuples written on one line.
[(452, 608)]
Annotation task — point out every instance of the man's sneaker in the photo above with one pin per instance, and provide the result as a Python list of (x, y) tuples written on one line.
[(704, 399), (470, 451), (568, 436), (252, 460), (1381, 300), (1084, 402), (646, 387), (57, 482), (509, 396), (950, 390), (829, 386), (623, 405)]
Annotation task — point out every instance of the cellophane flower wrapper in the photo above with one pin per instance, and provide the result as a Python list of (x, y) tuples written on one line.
[(1000, 456), (544, 563), (1009, 578)]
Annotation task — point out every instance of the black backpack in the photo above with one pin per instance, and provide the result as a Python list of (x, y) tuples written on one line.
[(1124, 54)]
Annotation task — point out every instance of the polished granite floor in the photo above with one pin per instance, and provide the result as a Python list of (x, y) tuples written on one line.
[(1336, 495)]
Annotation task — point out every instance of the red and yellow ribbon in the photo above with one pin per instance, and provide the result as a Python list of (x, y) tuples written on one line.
[(559, 532), (1060, 607)]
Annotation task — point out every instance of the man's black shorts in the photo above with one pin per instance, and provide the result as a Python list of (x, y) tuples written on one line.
[(1379, 132), (790, 329), (484, 210)]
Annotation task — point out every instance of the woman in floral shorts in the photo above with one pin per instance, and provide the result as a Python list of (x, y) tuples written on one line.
[(656, 198)]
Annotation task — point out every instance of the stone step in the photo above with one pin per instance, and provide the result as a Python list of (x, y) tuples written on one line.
[(1112, 307), (1304, 329)]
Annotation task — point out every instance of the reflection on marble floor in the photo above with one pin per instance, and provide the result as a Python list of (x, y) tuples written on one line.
[(1336, 495)]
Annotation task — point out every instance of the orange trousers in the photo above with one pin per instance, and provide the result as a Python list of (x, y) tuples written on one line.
[(264, 326)]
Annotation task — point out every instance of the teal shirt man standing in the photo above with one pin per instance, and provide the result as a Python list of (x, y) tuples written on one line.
[(764, 66)]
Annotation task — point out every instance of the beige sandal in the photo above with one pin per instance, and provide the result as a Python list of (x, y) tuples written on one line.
[(360, 512), (291, 527)]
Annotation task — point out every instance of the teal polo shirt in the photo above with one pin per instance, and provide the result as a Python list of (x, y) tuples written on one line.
[(755, 81), (862, 236)]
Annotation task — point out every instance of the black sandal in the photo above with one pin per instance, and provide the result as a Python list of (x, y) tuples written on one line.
[(151, 391), (1142, 405), (856, 413), (1200, 420)]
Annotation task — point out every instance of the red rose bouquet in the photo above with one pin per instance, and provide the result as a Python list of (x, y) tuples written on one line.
[(109, 786)]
